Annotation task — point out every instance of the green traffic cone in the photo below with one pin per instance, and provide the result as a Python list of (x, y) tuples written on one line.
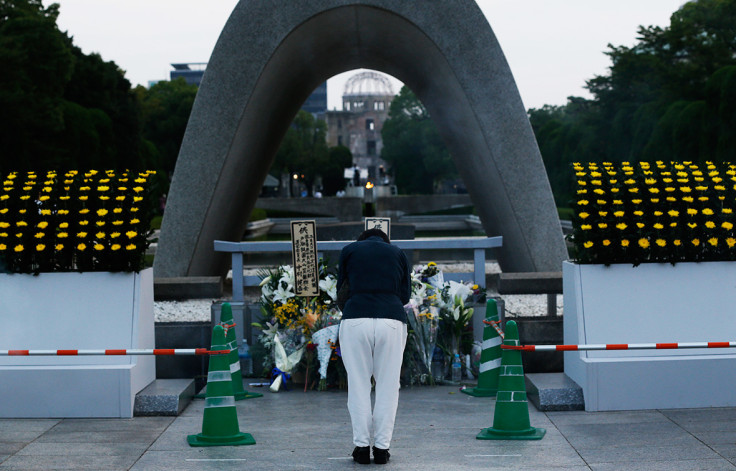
[(490, 357), (220, 418), (226, 320), (511, 418)]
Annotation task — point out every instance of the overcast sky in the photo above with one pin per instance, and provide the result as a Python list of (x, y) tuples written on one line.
[(553, 47)]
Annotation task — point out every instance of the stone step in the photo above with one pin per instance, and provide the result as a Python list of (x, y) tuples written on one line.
[(164, 397), (554, 392)]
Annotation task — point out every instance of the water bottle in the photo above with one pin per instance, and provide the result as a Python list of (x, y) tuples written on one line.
[(438, 365), (456, 369), (246, 360)]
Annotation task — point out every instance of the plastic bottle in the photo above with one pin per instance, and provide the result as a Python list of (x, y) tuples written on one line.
[(246, 360), (438, 366), (456, 369)]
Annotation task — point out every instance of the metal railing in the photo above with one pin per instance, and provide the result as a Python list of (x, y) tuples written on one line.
[(478, 245)]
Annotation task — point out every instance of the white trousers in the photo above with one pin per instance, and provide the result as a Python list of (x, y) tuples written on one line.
[(372, 347)]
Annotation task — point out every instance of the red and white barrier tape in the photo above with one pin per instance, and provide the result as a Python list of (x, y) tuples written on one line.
[(155, 351), (619, 346), (494, 324)]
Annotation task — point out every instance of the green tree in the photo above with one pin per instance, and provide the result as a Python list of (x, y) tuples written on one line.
[(165, 110), (413, 147), (333, 173), (61, 108), (669, 97), (303, 150), (37, 65)]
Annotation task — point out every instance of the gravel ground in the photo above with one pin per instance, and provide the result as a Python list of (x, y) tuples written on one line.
[(198, 310)]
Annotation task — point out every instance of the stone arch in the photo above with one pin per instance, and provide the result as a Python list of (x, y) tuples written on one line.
[(272, 53)]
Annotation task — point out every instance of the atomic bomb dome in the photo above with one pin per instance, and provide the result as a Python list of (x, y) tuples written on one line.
[(368, 83), (365, 103)]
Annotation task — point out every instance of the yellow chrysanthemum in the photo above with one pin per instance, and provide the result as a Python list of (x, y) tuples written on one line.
[(695, 242), (643, 243), (588, 244), (606, 242), (727, 225), (18, 248), (586, 227), (621, 226), (40, 247), (130, 247), (99, 247), (583, 215), (131, 234), (730, 242)]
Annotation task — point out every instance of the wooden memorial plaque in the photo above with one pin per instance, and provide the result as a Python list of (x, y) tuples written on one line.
[(304, 258)]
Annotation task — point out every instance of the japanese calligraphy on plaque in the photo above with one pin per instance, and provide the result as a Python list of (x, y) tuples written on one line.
[(379, 223), (304, 258)]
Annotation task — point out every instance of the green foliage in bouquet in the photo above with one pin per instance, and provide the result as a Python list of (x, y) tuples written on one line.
[(666, 212), (75, 221)]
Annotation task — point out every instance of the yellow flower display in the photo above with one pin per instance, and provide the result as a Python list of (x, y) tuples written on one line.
[(692, 193)]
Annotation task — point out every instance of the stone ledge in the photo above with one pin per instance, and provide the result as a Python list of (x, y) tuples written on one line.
[(526, 282), (187, 287), (554, 392), (164, 397)]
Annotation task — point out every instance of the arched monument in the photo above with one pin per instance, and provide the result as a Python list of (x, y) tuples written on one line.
[(271, 54)]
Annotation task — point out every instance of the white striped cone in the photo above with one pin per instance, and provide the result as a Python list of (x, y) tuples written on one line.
[(220, 418), (490, 356)]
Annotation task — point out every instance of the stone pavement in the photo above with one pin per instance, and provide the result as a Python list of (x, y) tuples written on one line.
[(435, 430)]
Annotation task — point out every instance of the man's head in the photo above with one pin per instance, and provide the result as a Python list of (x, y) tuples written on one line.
[(374, 232)]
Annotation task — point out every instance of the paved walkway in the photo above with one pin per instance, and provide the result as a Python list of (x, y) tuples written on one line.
[(435, 430)]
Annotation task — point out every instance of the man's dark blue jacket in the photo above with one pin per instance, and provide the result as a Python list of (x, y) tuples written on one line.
[(378, 277)]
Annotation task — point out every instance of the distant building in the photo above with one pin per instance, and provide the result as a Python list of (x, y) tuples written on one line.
[(365, 103), (193, 72), (317, 102)]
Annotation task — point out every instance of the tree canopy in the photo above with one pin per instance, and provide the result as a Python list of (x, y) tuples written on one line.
[(61, 108), (413, 147), (672, 96), (303, 150)]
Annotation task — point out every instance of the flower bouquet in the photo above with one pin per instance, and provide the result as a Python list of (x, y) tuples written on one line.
[(422, 314), (454, 313), (290, 321)]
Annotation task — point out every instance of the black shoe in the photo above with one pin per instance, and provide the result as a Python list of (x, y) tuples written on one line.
[(380, 456), (362, 454)]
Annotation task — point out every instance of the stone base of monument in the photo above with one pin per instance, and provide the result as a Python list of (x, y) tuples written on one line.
[(554, 392), (164, 397), (75, 311)]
